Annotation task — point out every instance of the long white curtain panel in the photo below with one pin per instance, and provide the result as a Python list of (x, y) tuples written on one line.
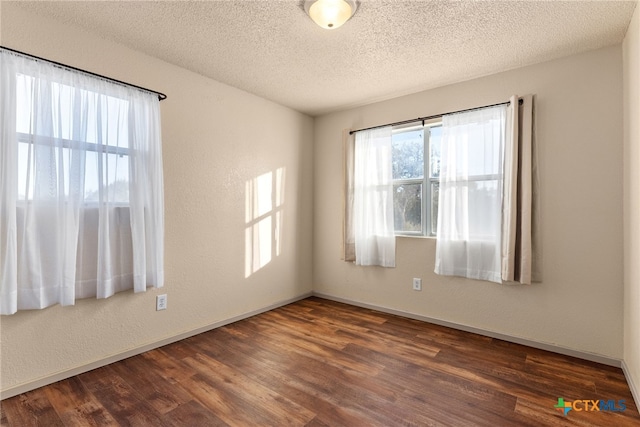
[(375, 242), (81, 186), (470, 200)]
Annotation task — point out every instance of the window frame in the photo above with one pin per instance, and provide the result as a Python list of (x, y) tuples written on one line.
[(427, 179)]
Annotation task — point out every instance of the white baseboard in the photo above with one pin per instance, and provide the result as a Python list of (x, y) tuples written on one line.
[(517, 340), (635, 391), (62, 375)]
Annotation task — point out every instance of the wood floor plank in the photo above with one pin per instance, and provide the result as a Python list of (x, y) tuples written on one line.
[(288, 340), (161, 394), (323, 363), (279, 370), (439, 389), (31, 409), (75, 405), (3, 418), (356, 394), (274, 408), (192, 413), (118, 397)]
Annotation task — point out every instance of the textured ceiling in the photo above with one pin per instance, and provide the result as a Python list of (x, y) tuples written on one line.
[(389, 48)]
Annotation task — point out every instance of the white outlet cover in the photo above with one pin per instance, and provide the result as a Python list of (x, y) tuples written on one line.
[(161, 302)]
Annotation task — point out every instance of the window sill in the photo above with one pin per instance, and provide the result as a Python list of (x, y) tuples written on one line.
[(416, 236)]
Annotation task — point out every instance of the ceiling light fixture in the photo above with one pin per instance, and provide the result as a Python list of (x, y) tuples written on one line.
[(330, 14)]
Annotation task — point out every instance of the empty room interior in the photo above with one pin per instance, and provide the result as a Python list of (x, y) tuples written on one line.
[(256, 203)]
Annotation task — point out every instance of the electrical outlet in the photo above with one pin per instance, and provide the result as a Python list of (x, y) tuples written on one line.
[(161, 302), (417, 284)]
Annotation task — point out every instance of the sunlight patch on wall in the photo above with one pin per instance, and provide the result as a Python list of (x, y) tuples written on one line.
[(264, 199)]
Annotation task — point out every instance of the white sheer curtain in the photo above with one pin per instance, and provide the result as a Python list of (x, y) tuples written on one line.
[(470, 201), (81, 186), (373, 199)]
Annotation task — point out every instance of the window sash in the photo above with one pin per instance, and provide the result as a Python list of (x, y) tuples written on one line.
[(46, 140), (426, 181)]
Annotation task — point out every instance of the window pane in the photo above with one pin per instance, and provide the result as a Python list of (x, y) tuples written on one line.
[(23, 103), (407, 204), (115, 122), (25, 167), (91, 177), (116, 177), (485, 202), (480, 151), (408, 154), (114, 181), (435, 193), (434, 151)]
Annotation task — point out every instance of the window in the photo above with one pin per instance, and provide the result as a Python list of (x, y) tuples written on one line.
[(52, 156), (466, 177), (416, 178), (81, 186)]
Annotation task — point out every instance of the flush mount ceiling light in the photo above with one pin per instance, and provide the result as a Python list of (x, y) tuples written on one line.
[(330, 14)]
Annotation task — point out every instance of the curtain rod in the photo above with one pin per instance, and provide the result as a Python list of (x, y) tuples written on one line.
[(423, 119), (161, 96)]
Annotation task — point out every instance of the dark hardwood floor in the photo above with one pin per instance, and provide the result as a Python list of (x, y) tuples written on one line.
[(322, 363)]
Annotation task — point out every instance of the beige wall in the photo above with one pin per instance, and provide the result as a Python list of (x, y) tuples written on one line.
[(216, 140), (579, 304), (631, 54)]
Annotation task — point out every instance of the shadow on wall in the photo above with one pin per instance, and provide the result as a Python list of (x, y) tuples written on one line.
[(264, 201)]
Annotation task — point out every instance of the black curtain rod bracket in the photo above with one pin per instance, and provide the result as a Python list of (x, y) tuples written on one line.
[(423, 119), (161, 96)]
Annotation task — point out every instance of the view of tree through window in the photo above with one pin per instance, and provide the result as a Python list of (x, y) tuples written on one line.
[(415, 179)]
